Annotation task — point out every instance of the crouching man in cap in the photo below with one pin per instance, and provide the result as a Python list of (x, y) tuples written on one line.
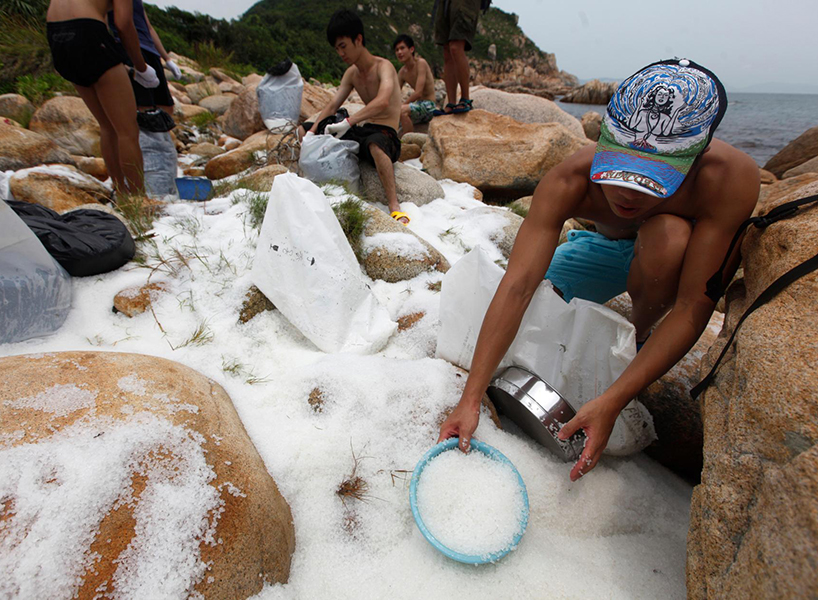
[(666, 199)]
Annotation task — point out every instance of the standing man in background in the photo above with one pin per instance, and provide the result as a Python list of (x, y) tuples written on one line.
[(455, 26), (420, 106)]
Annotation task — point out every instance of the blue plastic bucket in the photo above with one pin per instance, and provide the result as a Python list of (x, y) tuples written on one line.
[(493, 453), (194, 188)]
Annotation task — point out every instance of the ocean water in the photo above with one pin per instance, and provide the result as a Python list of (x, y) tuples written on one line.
[(758, 124)]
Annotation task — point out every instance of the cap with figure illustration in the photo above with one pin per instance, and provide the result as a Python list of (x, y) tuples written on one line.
[(657, 122)]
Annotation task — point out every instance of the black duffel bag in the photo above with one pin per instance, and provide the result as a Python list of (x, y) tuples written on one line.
[(85, 242)]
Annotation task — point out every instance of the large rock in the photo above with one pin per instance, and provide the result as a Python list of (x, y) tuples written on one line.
[(412, 185), (785, 187), (126, 472), (754, 523), (185, 112), (525, 108), (201, 90), (676, 416), (501, 224), (242, 119), (263, 178), (496, 154), (21, 148), (391, 252), (592, 124), (58, 187), (92, 166), (218, 105), (797, 152), (16, 107), (67, 121), (313, 100), (180, 96), (811, 166), (242, 158), (593, 92), (205, 149), (221, 77)]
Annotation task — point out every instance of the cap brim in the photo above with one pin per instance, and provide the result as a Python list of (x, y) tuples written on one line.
[(654, 174)]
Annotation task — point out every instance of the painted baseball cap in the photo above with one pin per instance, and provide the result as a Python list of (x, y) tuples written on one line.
[(658, 121)]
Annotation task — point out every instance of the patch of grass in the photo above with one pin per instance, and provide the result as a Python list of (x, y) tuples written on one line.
[(200, 336), (518, 209), (139, 212), (203, 120), (40, 88), (256, 207), (353, 486), (210, 55), (352, 217)]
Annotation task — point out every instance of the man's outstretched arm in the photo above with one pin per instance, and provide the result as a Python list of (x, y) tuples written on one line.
[(680, 330), (554, 199)]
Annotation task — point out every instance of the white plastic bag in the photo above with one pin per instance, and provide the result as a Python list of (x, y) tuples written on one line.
[(306, 267), (160, 159), (325, 158), (35, 291), (279, 98), (580, 347)]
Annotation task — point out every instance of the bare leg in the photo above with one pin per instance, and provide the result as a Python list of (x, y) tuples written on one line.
[(457, 50), (108, 143), (386, 173), (115, 94), (657, 264), (449, 74), (405, 122)]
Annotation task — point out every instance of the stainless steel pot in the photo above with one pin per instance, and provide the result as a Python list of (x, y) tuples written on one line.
[(536, 408)]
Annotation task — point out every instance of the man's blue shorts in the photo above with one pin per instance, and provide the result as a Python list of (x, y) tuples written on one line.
[(591, 266)]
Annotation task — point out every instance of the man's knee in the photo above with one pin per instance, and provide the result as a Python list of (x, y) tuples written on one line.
[(404, 110), (662, 242)]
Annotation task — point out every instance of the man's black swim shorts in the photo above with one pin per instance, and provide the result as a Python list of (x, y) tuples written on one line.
[(82, 50), (383, 136)]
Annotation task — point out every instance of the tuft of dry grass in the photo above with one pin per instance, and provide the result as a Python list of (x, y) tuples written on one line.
[(316, 400), (434, 286), (353, 486), (407, 321)]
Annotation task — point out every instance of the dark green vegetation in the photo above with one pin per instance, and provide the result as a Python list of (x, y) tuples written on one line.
[(267, 33)]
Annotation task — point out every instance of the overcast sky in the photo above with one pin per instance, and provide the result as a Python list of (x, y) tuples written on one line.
[(745, 42)]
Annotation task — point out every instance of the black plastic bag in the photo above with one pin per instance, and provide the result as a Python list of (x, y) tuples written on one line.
[(85, 242)]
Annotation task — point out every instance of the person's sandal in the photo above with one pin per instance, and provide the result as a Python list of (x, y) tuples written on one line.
[(439, 113), (398, 215), (463, 106)]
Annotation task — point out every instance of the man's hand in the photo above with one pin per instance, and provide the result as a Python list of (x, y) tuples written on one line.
[(338, 129), (461, 423), (175, 71), (597, 420), (146, 78)]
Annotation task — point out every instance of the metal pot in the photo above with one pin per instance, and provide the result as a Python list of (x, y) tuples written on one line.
[(536, 408)]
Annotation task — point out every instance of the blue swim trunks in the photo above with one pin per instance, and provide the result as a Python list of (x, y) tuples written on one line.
[(421, 111), (591, 266)]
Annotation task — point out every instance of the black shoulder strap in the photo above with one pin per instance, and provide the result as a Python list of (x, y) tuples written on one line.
[(716, 287)]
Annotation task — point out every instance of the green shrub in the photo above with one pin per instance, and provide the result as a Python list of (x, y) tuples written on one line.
[(41, 88), (203, 120), (352, 217)]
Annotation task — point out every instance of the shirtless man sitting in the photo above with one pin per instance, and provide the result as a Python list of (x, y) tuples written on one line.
[(376, 82), (86, 55), (416, 72), (666, 200)]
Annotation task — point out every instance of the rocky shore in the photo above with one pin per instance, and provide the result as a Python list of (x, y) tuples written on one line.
[(749, 445)]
